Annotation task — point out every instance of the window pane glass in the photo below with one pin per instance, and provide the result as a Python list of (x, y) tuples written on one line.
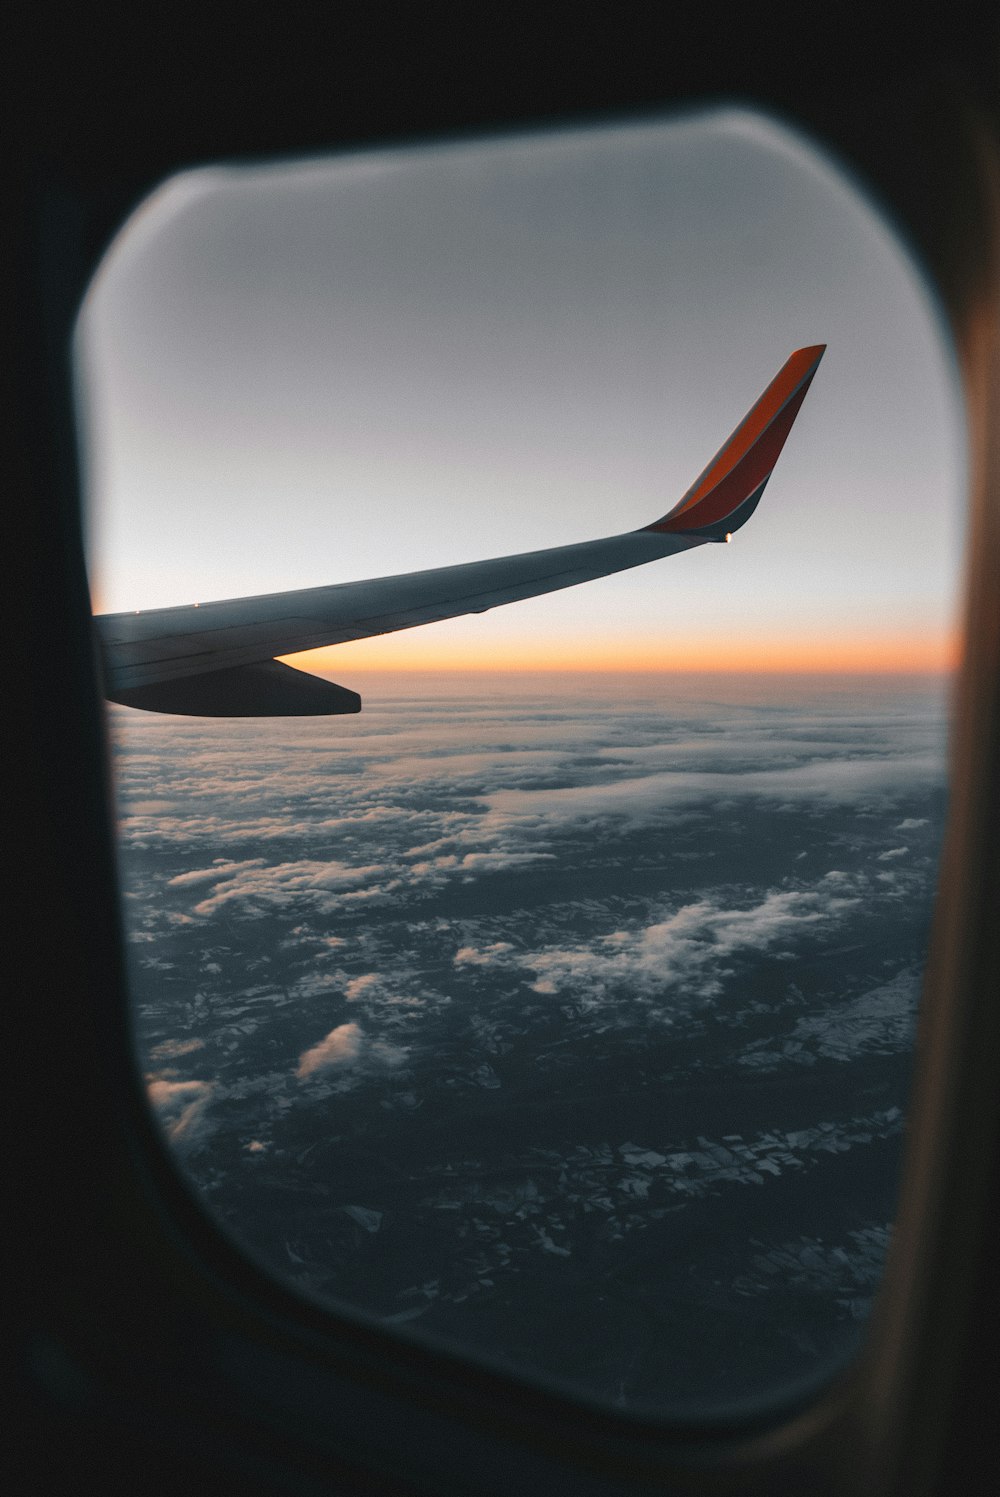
[(561, 1004)]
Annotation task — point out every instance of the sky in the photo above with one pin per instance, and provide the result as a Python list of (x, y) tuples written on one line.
[(310, 372)]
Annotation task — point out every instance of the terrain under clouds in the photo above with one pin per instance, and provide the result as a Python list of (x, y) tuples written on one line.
[(571, 1025)]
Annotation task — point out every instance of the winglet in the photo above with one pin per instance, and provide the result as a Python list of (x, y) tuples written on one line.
[(725, 496)]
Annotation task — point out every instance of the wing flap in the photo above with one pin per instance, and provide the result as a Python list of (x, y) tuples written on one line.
[(268, 688)]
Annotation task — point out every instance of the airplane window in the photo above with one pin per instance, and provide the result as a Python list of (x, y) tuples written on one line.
[(559, 1006)]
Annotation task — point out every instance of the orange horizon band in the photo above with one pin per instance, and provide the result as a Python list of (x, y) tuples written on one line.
[(762, 655)]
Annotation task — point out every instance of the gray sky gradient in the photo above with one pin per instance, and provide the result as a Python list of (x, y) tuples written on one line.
[(305, 373)]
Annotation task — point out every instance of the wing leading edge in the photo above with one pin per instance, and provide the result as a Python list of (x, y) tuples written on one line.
[(217, 659)]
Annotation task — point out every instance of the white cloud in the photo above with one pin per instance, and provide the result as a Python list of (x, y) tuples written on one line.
[(690, 948), (360, 987), (211, 875), (332, 884), (664, 794), (181, 1107), (340, 1046), (485, 956), (392, 992), (501, 861), (281, 883), (172, 1049)]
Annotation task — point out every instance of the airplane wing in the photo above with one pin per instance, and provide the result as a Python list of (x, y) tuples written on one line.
[(217, 659)]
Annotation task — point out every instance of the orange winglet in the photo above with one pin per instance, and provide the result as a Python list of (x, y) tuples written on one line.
[(726, 494)]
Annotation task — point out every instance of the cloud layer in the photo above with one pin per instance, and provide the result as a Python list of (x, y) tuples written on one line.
[(354, 895)]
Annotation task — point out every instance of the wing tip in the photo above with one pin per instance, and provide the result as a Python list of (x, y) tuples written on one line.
[(814, 350), (726, 494)]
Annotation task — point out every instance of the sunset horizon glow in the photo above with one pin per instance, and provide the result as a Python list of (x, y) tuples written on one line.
[(889, 655)]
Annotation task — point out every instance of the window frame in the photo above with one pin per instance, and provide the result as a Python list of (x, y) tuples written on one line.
[(149, 1343)]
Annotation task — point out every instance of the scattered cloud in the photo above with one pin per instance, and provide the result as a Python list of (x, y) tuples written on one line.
[(257, 884), (173, 1049), (692, 947), (436, 904), (397, 810), (471, 956)]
